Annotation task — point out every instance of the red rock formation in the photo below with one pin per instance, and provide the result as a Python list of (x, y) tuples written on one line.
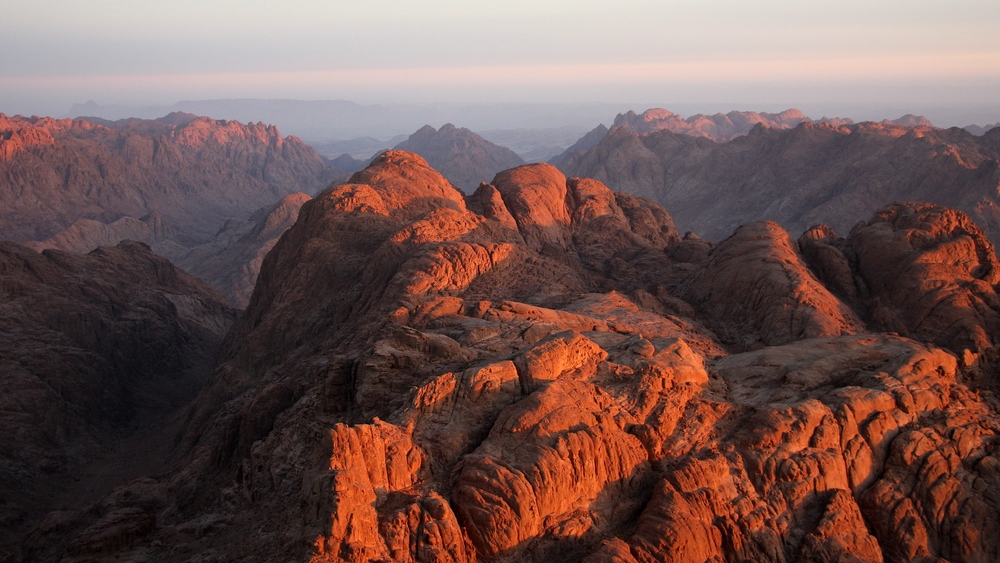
[(755, 289), (916, 269), (421, 377)]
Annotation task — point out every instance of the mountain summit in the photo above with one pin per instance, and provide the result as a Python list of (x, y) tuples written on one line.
[(463, 157)]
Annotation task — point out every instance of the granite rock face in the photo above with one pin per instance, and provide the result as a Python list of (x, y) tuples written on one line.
[(546, 370), (916, 269), (756, 290)]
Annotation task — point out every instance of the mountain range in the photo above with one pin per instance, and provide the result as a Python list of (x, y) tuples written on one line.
[(195, 172), (547, 369), (175, 183), (543, 367), (799, 177)]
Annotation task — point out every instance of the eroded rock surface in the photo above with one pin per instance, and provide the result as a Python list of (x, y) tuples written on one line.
[(755, 289), (546, 371), (920, 270)]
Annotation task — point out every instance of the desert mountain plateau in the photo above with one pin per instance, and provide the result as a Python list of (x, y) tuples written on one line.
[(547, 370)]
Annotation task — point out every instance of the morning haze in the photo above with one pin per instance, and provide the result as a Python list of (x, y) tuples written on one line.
[(824, 57)]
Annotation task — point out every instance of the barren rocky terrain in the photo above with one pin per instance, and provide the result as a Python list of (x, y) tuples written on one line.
[(545, 370), (185, 185), (833, 173), (195, 172), (463, 157)]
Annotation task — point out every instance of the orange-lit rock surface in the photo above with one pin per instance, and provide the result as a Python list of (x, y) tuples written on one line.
[(531, 373), (916, 269)]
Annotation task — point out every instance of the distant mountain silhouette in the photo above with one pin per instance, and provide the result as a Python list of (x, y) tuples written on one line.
[(587, 142), (980, 129), (718, 127)]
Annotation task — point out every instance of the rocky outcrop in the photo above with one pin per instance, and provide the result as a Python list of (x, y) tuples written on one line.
[(814, 173), (756, 290), (519, 376), (194, 172), (92, 347), (463, 157), (916, 269), (854, 448)]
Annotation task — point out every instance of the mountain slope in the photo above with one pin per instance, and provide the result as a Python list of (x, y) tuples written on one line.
[(545, 370), (463, 157), (194, 172), (232, 261), (95, 348), (814, 173)]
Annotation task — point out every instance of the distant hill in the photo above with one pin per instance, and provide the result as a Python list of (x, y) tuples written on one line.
[(463, 157), (194, 172), (980, 129), (584, 144), (813, 173), (718, 127)]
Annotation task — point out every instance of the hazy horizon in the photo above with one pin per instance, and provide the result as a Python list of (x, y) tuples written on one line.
[(850, 58)]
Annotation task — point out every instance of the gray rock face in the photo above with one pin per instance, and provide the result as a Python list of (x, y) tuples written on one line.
[(463, 157)]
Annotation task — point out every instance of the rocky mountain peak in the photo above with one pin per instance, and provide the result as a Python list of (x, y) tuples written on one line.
[(462, 156)]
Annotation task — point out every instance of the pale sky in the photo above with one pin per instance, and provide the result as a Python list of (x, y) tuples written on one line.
[(916, 52)]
